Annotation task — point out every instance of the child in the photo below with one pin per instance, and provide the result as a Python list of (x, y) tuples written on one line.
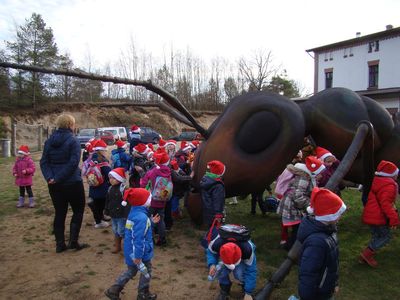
[(319, 259), (140, 164), (331, 164), (98, 193), (23, 171), (149, 180), (138, 245), (297, 196), (380, 212), (183, 157), (119, 158), (238, 259), (212, 191), (114, 207), (88, 151), (170, 147), (134, 137)]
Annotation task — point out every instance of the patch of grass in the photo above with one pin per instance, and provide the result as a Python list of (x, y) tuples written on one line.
[(174, 260), (356, 281), (91, 273), (86, 286), (191, 285), (179, 271)]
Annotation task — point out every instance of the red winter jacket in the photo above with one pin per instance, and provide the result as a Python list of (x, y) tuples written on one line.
[(380, 209)]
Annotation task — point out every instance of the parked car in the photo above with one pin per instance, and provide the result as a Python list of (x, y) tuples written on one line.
[(149, 135), (118, 132), (85, 134), (187, 136), (107, 137)]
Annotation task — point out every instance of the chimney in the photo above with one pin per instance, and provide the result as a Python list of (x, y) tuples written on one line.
[(358, 34), (388, 27)]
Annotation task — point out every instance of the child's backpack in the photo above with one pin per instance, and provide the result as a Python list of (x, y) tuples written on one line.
[(116, 161), (162, 190), (234, 233), (283, 181), (93, 174)]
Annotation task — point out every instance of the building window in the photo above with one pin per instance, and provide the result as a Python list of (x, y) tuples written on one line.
[(373, 74), (330, 56), (351, 51), (373, 46), (326, 56), (328, 78), (345, 52)]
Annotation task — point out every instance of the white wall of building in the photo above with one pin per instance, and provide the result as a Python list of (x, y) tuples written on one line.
[(352, 71)]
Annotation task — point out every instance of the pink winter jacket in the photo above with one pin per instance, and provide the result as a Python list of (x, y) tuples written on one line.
[(24, 163)]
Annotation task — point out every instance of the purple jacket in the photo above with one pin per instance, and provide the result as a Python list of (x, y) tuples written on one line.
[(151, 175), (24, 163)]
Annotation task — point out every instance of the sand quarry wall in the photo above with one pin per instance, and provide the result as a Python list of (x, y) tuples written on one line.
[(94, 116)]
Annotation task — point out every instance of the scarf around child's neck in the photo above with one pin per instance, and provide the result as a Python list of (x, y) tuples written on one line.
[(213, 176)]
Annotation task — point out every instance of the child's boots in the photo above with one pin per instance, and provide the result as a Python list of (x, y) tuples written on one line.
[(21, 202), (113, 292), (31, 202), (224, 292), (367, 255), (117, 245), (144, 294)]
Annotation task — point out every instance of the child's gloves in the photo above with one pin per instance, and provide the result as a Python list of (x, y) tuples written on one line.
[(23, 171)]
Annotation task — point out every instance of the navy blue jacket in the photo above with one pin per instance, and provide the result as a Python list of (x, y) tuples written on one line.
[(100, 191), (212, 198), (60, 158), (125, 158), (319, 262)]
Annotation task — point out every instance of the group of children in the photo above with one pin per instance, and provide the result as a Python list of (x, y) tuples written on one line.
[(159, 178)]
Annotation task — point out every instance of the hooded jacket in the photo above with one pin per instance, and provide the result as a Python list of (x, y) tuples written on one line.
[(319, 260), (151, 175), (24, 163), (380, 209), (212, 198), (125, 158), (60, 158), (138, 240)]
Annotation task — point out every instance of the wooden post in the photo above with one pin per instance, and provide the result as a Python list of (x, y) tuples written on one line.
[(40, 138), (13, 138)]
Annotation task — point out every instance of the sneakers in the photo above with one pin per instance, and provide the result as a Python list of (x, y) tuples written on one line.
[(102, 224)]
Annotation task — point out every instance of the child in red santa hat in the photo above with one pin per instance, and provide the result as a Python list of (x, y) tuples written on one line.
[(331, 163), (319, 257), (162, 170), (114, 207), (380, 212), (23, 171), (138, 245), (297, 196)]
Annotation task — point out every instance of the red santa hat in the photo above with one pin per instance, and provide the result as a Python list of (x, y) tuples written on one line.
[(161, 159), (195, 143), (322, 153), (118, 174), (120, 144), (231, 255), (170, 142), (150, 145), (137, 197), (141, 149), (23, 149), (386, 169), (161, 143), (99, 145), (135, 129), (89, 147), (216, 167), (185, 146), (313, 166), (325, 205)]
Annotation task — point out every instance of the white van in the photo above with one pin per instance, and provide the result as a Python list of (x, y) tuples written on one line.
[(118, 132)]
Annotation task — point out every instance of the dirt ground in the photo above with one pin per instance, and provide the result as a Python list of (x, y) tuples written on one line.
[(30, 268)]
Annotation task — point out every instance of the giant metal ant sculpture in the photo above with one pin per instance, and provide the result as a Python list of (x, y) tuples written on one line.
[(259, 133)]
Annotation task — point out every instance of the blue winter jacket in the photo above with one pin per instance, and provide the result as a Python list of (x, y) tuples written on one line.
[(134, 139), (212, 198), (319, 262), (248, 260), (125, 158), (101, 190), (138, 241), (60, 158)]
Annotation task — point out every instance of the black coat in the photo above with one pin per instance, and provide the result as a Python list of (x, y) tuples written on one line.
[(181, 183), (113, 206), (319, 260)]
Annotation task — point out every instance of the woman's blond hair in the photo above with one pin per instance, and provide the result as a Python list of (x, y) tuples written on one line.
[(65, 121)]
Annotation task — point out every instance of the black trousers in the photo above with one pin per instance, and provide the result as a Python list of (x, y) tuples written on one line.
[(28, 189), (62, 195), (97, 207), (257, 198)]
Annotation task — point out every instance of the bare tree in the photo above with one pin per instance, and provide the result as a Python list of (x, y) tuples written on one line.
[(258, 70)]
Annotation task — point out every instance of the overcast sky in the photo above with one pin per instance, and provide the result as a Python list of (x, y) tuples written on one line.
[(209, 28)]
